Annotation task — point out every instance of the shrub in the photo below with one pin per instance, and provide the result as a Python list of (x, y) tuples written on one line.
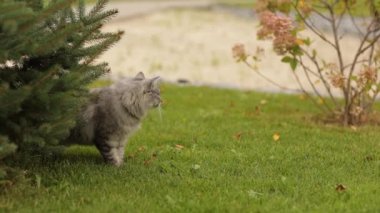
[(47, 52), (282, 22)]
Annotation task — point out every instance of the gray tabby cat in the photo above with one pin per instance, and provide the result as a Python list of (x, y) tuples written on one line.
[(115, 113)]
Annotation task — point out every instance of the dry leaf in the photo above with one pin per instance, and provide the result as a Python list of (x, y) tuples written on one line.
[(179, 147), (253, 113), (238, 135), (257, 110), (263, 102), (196, 166), (354, 128), (254, 194), (340, 188), (302, 97), (300, 41), (141, 148), (321, 101), (276, 136), (164, 102), (151, 159)]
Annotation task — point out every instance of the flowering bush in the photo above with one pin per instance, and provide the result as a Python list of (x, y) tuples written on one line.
[(282, 21)]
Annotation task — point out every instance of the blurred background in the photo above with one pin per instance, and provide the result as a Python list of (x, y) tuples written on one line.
[(191, 40)]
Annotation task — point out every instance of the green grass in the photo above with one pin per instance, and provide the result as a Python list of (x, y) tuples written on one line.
[(238, 3), (229, 162), (360, 9)]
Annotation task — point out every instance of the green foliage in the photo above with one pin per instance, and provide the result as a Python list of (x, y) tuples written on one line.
[(293, 62), (47, 50), (213, 151)]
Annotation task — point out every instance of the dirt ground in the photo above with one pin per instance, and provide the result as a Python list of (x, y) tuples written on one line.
[(196, 45)]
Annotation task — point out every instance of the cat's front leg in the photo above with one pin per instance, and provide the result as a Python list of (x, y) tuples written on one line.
[(120, 153), (109, 150)]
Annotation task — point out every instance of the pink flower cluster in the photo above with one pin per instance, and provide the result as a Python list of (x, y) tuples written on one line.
[(279, 29), (238, 52), (367, 76), (337, 80)]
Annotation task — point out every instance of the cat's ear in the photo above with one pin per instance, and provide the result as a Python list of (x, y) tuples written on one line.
[(139, 76), (153, 83)]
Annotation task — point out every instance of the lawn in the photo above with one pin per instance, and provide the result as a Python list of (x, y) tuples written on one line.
[(213, 151)]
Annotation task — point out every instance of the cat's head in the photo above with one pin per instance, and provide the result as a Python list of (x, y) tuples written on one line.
[(140, 93)]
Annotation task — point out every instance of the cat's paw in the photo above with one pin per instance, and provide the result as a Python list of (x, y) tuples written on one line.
[(118, 163), (114, 162)]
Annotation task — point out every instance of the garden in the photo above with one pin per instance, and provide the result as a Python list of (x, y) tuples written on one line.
[(263, 110)]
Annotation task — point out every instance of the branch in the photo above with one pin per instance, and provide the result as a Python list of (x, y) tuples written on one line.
[(341, 17), (312, 85), (312, 27), (361, 49), (322, 15), (353, 20), (306, 93), (268, 79), (335, 34), (358, 62), (319, 69)]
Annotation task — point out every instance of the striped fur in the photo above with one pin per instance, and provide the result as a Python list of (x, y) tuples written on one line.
[(114, 114)]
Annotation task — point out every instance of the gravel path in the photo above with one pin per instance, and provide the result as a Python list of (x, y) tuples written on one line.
[(196, 45), (129, 10)]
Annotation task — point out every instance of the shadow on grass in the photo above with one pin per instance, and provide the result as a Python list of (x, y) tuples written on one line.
[(51, 159)]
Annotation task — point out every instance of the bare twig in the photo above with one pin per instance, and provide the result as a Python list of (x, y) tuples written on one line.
[(312, 84), (372, 50), (324, 81), (267, 79), (362, 49), (306, 93), (346, 90), (358, 62), (312, 27), (322, 15), (353, 20), (341, 18)]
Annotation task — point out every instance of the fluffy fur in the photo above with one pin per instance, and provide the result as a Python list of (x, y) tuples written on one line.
[(115, 113)]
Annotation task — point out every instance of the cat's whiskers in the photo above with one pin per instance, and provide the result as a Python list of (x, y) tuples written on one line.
[(159, 111)]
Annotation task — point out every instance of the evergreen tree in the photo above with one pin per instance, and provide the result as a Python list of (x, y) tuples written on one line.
[(47, 52)]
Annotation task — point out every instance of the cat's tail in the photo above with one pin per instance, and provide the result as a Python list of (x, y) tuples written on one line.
[(87, 126)]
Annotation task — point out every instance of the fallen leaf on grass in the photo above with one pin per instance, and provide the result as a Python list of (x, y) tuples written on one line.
[(302, 97), (253, 194), (276, 137), (340, 188), (263, 102), (195, 166), (151, 159), (164, 103), (257, 109), (171, 200), (131, 156), (369, 158), (238, 135), (321, 101), (141, 148), (179, 147), (253, 112), (354, 128)]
